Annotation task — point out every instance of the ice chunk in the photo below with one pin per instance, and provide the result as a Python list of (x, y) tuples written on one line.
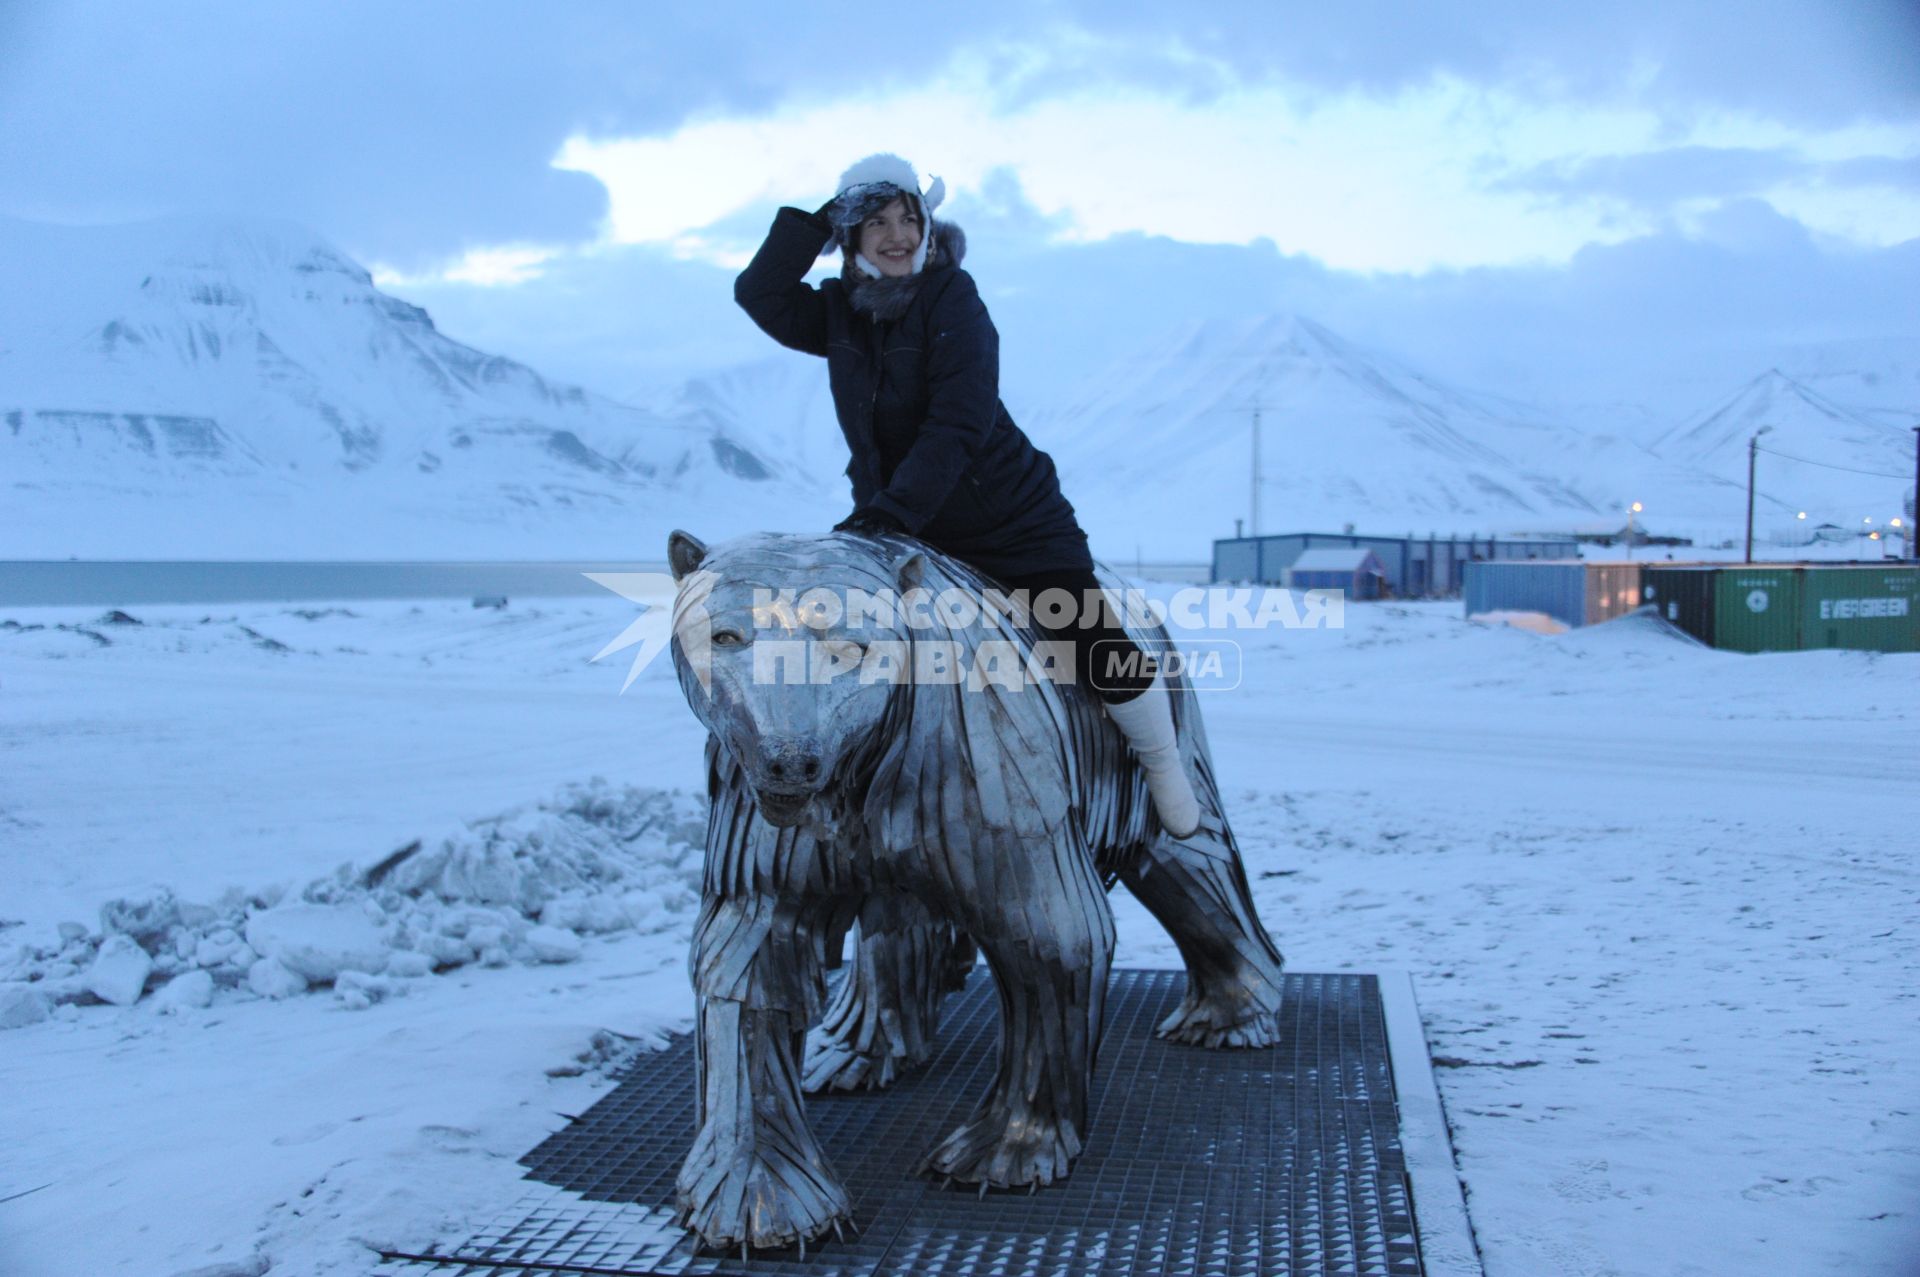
[(487, 936), (551, 944), (409, 965), (270, 979), (319, 941), (119, 972), (356, 991), (194, 989), (216, 948), (593, 914), (144, 917), (446, 951), (21, 1005)]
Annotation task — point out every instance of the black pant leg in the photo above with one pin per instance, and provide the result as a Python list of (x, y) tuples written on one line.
[(1125, 670)]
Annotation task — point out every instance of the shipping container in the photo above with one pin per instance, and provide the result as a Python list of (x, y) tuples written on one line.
[(1569, 591), (1756, 608), (1788, 607), (1683, 596), (1558, 590), (1613, 589), (1869, 608)]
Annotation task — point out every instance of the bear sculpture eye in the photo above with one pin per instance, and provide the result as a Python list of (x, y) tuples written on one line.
[(728, 638)]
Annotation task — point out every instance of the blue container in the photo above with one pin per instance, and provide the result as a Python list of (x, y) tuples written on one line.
[(1557, 589)]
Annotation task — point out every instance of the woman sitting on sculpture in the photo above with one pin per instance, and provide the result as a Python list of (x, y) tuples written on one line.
[(913, 361)]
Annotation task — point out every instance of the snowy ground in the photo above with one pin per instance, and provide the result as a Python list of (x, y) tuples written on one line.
[(1658, 901)]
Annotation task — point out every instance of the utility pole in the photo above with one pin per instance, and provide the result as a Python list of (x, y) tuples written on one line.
[(1753, 454), (1913, 516), (1254, 520)]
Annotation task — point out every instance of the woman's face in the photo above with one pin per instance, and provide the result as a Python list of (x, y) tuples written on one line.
[(889, 236)]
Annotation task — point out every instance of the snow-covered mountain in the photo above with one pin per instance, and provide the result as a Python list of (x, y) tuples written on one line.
[(1876, 378), (1161, 445), (1839, 464), (192, 386), (239, 388), (781, 407)]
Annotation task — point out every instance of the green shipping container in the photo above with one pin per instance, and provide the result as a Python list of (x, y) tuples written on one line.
[(1683, 595), (1757, 609), (1875, 609)]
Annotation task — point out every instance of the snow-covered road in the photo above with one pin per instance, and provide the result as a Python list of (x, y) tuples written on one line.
[(1659, 903)]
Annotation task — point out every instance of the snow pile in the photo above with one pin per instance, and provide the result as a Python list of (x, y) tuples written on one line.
[(1532, 622), (520, 887)]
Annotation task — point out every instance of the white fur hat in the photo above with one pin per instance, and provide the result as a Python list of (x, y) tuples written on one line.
[(876, 180)]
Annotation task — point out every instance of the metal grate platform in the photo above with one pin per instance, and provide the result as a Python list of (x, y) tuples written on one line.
[(1283, 1162)]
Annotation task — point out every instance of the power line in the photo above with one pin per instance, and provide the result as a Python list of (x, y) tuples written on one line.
[(1879, 474)]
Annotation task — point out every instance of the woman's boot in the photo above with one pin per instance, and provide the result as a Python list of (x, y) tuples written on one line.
[(1147, 723)]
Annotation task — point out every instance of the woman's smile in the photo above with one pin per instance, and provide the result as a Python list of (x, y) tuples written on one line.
[(889, 238)]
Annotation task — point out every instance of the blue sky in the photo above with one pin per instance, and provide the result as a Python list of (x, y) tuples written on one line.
[(1489, 186)]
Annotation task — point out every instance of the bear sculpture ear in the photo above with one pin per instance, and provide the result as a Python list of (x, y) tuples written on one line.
[(912, 572), (685, 552)]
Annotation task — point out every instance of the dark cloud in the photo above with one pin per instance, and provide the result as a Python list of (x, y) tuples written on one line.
[(1673, 307), (1656, 179), (998, 212), (1875, 170), (1806, 61), (402, 131), (408, 131)]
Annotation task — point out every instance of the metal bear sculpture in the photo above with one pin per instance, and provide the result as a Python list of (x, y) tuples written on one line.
[(937, 816)]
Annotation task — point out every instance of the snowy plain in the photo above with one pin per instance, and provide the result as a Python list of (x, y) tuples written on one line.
[(1658, 903)]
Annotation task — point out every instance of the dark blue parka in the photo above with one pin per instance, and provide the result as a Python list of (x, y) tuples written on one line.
[(918, 400)]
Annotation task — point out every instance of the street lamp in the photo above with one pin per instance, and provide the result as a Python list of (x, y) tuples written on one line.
[(1632, 510)]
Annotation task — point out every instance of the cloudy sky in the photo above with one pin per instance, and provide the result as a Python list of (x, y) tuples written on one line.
[(1499, 190)]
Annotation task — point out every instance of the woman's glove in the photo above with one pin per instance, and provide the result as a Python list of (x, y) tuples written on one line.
[(870, 521)]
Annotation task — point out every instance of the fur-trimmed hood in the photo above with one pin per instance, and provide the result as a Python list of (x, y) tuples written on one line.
[(888, 296)]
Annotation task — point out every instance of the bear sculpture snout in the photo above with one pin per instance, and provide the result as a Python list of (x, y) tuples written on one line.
[(793, 765), (790, 775)]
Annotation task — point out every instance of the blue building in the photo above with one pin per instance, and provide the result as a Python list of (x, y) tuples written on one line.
[(1415, 567)]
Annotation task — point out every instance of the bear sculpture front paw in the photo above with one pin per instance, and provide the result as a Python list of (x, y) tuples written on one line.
[(759, 1200)]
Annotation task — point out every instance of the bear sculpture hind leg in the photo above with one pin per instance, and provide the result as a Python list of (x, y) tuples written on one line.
[(1197, 888), (885, 1015), (1050, 948)]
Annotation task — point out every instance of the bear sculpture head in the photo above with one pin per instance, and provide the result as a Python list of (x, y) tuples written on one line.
[(791, 651)]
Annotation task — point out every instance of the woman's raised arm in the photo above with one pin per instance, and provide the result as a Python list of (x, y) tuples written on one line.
[(773, 288)]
